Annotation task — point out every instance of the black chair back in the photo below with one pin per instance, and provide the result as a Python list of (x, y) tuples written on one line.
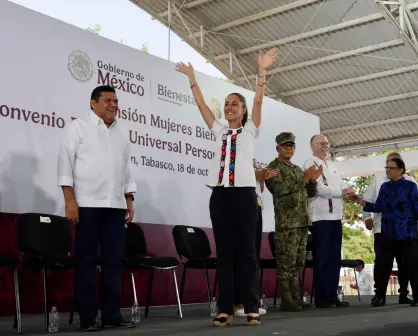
[(44, 235), (191, 242), (135, 243), (272, 243)]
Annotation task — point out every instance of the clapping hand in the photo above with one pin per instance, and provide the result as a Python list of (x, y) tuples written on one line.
[(312, 173), (269, 173), (318, 172)]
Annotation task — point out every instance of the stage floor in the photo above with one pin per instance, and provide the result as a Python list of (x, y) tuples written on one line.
[(357, 320)]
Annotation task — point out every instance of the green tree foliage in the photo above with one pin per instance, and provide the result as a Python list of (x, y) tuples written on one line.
[(352, 210), (357, 245), (95, 29), (144, 47)]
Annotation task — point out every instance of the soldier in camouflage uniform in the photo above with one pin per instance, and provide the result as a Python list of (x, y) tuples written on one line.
[(291, 188)]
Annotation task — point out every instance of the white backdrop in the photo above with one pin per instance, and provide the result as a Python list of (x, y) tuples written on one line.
[(48, 70)]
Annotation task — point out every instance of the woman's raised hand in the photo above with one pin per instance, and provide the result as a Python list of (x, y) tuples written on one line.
[(265, 61), (183, 68)]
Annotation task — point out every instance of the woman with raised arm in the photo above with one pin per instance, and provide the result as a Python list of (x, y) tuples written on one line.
[(233, 203)]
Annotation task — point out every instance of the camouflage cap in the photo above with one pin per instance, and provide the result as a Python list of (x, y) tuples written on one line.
[(285, 137)]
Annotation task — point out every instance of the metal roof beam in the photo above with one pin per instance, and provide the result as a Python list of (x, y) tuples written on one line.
[(312, 33), (369, 124), (344, 54), (372, 147), (243, 72), (405, 23), (261, 15), (188, 5), (177, 10), (352, 80), (376, 101)]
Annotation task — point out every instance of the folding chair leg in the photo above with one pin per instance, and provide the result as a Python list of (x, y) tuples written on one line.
[(134, 288), (358, 292), (149, 293), (207, 286), (177, 293), (275, 292), (45, 276), (17, 298), (183, 281)]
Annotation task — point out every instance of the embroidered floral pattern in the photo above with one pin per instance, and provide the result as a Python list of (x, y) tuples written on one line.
[(232, 157)]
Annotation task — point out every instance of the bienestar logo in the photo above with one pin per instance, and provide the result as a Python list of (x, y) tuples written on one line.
[(174, 97)]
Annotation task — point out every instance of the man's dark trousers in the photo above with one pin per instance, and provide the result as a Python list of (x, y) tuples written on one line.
[(104, 227), (326, 253), (381, 254)]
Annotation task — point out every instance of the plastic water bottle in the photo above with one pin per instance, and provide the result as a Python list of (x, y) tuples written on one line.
[(306, 297), (136, 315), (54, 320), (340, 294), (213, 307), (263, 303), (99, 318)]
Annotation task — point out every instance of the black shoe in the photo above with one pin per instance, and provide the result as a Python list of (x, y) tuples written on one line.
[(340, 304), (117, 321), (91, 328), (378, 301), (324, 304), (404, 299)]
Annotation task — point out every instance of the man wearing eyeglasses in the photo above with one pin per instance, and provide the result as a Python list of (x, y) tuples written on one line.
[(326, 213), (374, 223), (290, 189)]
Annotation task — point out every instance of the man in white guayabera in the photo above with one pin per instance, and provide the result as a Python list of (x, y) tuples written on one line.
[(94, 173), (374, 223), (326, 213)]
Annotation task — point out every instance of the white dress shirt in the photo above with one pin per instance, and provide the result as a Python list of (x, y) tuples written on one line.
[(95, 161), (331, 191), (371, 196), (241, 172), (365, 283)]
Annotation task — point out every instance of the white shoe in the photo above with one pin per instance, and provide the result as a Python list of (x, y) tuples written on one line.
[(240, 312)]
